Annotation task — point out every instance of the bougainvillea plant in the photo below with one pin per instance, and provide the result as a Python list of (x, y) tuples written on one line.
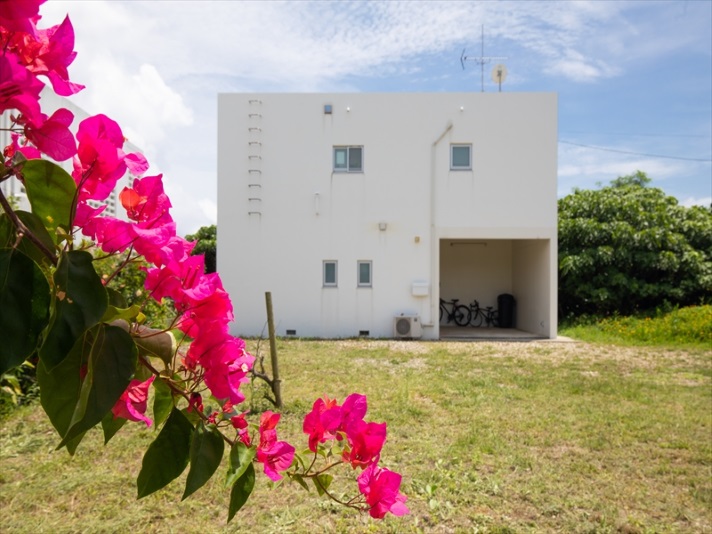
[(99, 360)]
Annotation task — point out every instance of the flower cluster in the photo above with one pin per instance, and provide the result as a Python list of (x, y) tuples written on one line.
[(362, 448), (215, 360), (29, 52)]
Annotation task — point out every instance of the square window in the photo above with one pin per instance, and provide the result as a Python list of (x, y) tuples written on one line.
[(364, 269), (348, 158), (329, 273), (460, 157)]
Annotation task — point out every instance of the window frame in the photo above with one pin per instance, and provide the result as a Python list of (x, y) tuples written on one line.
[(324, 282), (454, 167), (359, 283), (347, 168)]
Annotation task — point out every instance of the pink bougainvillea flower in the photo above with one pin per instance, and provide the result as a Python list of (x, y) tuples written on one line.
[(381, 488), (56, 54), (276, 458), (29, 152), (19, 89), (20, 16), (239, 423), (275, 455), (353, 410), (53, 136), (322, 422), (366, 441), (132, 403), (146, 202), (100, 160)]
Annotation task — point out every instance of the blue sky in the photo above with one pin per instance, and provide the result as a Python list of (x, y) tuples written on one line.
[(634, 79)]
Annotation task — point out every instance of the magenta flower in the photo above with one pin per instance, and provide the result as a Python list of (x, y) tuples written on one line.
[(322, 422), (52, 135), (366, 441), (100, 160), (132, 403), (20, 16), (381, 488), (19, 89), (275, 455)]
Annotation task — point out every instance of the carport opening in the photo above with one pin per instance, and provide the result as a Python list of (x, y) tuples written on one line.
[(485, 270)]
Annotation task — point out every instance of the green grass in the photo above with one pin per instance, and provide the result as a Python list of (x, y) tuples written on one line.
[(489, 437), (685, 327)]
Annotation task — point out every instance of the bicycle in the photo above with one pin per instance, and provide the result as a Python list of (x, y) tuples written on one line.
[(459, 313), (478, 315)]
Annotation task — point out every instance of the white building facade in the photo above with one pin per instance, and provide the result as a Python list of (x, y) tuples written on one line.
[(356, 209)]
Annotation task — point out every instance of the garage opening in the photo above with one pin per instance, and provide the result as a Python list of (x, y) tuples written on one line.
[(488, 269)]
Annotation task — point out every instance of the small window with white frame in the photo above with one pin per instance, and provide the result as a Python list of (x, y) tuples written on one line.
[(348, 159), (365, 273), (329, 273), (461, 157)]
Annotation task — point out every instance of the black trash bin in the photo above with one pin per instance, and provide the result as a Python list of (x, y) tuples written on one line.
[(505, 310)]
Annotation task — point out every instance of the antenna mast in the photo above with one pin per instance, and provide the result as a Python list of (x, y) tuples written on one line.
[(481, 60)]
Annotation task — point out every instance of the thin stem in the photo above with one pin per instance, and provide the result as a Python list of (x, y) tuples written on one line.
[(23, 231)]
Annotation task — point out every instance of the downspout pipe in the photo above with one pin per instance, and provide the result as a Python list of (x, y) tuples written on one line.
[(434, 244)]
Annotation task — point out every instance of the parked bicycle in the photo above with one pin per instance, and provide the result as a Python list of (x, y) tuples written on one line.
[(479, 315), (459, 313)]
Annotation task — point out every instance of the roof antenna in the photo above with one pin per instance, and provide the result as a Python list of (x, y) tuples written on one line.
[(481, 60)]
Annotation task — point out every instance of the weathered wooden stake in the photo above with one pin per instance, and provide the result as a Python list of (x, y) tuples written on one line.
[(276, 382)]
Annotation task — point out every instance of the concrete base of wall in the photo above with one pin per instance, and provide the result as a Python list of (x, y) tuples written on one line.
[(490, 334)]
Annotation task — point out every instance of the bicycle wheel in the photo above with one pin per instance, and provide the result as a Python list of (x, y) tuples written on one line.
[(476, 318), (495, 319), (441, 314), (462, 315)]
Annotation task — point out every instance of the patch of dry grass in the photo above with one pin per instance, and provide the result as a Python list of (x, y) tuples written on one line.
[(490, 437)]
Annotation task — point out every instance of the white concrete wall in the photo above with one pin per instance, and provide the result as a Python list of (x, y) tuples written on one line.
[(282, 210)]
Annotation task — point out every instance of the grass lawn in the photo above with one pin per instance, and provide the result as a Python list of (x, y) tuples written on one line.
[(489, 437)]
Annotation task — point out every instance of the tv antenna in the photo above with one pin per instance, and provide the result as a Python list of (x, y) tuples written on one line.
[(481, 60)]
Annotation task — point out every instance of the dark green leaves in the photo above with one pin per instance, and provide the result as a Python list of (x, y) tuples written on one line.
[(162, 401), (241, 476), (80, 302), (111, 361), (51, 193), (206, 451), (24, 303), (80, 391), (241, 457), (241, 491), (167, 456)]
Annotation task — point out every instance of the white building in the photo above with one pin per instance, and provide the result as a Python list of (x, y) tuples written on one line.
[(354, 209)]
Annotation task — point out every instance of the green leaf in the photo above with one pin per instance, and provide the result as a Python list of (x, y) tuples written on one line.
[(51, 192), (300, 480), (162, 401), (241, 491), (127, 314), (241, 457), (322, 483), (168, 455), (24, 304), (80, 302), (60, 388), (110, 367), (116, 299), (206, 452), (111, 425), (8, 236)]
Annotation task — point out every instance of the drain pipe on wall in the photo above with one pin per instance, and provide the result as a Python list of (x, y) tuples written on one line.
[(434, 244)]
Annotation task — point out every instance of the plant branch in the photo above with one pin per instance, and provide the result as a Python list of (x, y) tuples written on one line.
[(23, 231)]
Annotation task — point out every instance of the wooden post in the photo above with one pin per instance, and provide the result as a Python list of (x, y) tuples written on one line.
[(276, 382)]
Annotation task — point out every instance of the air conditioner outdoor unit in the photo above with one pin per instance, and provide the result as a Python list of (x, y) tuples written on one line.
[(407, 327)]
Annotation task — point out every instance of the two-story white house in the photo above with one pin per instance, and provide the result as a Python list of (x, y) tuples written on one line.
[(357, 209)]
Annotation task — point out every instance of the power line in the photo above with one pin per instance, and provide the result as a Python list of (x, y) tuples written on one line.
[(607, 149)]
